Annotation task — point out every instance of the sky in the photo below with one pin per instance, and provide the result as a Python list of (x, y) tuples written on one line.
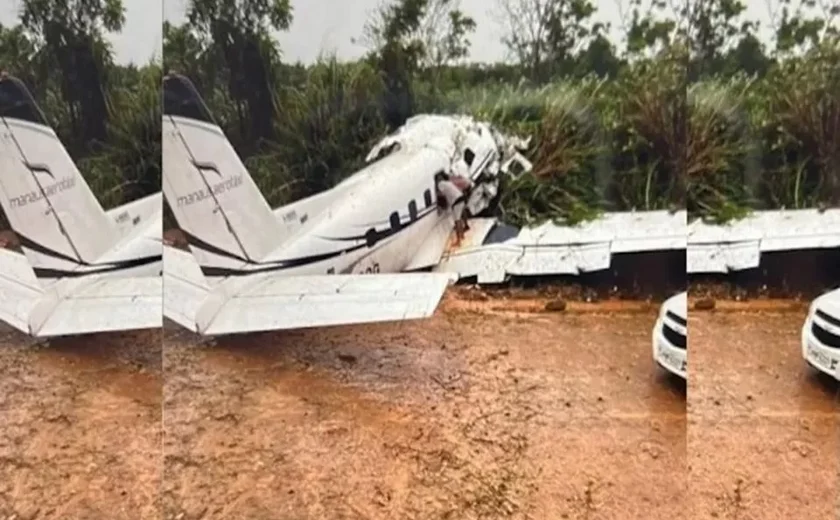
[(319, 27), (327, 26), (140, 39)]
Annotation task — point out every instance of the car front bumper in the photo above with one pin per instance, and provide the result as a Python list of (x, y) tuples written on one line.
[(669, 357)]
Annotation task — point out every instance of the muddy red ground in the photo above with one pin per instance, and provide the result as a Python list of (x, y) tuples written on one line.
[(80, 427), (763, 430), (491, 409)]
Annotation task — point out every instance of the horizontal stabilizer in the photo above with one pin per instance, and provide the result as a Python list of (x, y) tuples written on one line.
[(102, 305), (272, 302), (19, 289), (185, 287)]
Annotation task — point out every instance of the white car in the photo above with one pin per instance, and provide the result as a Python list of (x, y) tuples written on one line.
[(669, 335), (821, 334)]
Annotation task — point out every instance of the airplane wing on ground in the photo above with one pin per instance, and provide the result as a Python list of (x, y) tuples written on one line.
[(492, 252), (272, 302), (264, 302), (739, 245)]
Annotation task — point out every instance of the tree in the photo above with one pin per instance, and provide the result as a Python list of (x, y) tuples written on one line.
[(711, 29), (545, 35), (19, 55), (237, 35), (184, 52), (70, 34), (646, 30), (409, 37), (440, 33), (801, 24)]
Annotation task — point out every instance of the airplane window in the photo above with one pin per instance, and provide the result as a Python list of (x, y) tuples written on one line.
[(469, 156), (370, 237), (395, 220), (427, 198), (412, 210)]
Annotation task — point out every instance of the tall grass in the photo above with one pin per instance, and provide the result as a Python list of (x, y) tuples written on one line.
[(767, 143), (595, 145), (643, 140)]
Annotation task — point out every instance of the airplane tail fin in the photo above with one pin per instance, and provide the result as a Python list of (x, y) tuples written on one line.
[(227, 221), (49, 205)]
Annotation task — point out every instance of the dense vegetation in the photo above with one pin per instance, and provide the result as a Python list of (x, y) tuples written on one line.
[(688, 108)]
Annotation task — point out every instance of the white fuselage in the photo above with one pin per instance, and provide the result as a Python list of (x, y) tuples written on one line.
[(143, 242), (376, 223), (139, 224), (384, 218), (821, 334), (670, 335)]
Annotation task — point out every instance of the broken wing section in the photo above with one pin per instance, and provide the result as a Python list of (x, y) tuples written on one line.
[(19, 290), (100, 305), (283, 302)]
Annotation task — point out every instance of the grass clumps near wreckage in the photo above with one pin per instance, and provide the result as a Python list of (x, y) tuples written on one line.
[(768, 142), (649, 123)]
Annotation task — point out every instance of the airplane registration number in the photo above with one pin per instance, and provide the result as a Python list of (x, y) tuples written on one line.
[(372, 269)]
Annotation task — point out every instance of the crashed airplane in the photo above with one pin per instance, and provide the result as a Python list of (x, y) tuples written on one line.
[(252, 268), (82, 270)]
